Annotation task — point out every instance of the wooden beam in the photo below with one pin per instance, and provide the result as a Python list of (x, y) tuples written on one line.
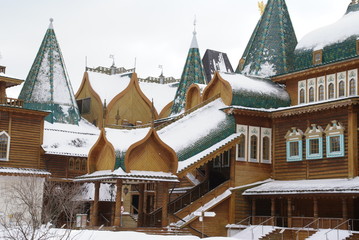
[(140, 221), (94, 212), (273, 210), (289, 203), (165, 205), (315, 207), (118, 205), (352, 142), (345, 208)]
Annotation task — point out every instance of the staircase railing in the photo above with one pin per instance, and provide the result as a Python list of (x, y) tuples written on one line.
[(189, 226), (307, 228), (337, 229), (262, 226)]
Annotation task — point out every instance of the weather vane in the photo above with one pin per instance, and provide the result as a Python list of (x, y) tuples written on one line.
[(113, 59)]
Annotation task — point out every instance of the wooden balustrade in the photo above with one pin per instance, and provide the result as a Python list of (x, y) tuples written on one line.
[(12, 102)]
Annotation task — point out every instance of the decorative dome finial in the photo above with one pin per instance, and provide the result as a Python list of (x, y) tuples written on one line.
[(194, 25), (51, 26)]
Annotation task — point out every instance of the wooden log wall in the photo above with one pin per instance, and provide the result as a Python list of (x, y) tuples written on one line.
[(26, 132), (59, 166), (308, 169)]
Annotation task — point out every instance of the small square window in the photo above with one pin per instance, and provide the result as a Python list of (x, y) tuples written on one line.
[(294, 151), (317, 57), (335, 146), (314, 148)]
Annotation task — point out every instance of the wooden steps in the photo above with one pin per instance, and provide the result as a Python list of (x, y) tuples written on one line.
[(354, 236), (151, 230), (286, 234)]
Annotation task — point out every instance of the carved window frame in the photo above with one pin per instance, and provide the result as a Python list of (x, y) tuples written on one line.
[(353, 75), (318, 57), (321, 84), (294, 136), (243, 131), (266, 133), (342, 84), (314, 133), (5, 143), (331, 85), (253, 133), (335, 130), (302, 87)]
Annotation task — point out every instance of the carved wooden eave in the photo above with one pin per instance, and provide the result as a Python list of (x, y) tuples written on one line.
[(165, 112), (10, 82), (151, 154), (21, 110), (102, 155), (247, 112), (193, 96), (133, 85), (218, 86), (319, 70), (204, 160)]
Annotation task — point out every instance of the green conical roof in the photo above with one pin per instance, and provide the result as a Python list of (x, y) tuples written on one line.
[(192, 73), (47, 86), (270, 48)]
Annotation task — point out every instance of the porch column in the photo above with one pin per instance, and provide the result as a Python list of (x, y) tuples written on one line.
[(253, 207), (273, 210), (352, 142), (165, 205), (140, 221), (345, 208), (118, 203), (315, 207), (289, 203), (94, 212)]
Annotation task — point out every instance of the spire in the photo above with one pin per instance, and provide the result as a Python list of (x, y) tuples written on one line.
[(47, 86), (194, 43), (192, 73), (270, 48)]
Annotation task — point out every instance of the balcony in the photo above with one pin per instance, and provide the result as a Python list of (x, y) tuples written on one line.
[(11, 102)]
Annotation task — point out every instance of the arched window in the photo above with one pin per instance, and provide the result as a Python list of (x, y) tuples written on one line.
[(311, 94), (301, 96), (331, 91), (71, 163), (4, 146), (341, 89), (241, 148), (83, 165), (254, 144), (77, 164), (321, 93), (266, 150), (352, 87)]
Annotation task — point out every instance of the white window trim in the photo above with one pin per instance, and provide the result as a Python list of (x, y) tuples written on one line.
[(324, 87), (331, 79), (345, 83), (304, 87), (312, 83), (266, 132), (253, 131), (243, 129), (352, 74), (8, 146)]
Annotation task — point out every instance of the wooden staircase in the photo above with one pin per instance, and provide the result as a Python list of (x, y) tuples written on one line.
[(287, 234), (354, 236)]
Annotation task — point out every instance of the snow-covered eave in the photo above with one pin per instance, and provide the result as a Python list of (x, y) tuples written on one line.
[(251, 184), (23, 171), (109, 175), (270, 193), (66, 154), (280, 109), (185, 164)]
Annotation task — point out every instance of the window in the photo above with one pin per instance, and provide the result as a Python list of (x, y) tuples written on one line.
[(241, 147), (217, 162), (341, 89), (335, 139), (314, 142), (317, 57), (266, 136), (83, 165), (294, 145), (222, 160), (321, 93), (84, 105), (301, 96), (77, 164), (4, 146), (331, 91), (71, 163), (311, 94), (254, 145), (352, 87)]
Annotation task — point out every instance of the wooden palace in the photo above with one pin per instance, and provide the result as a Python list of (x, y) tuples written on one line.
[(272, 145)]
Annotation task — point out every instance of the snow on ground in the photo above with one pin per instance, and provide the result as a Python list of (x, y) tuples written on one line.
[(254, 232), (127, 235)]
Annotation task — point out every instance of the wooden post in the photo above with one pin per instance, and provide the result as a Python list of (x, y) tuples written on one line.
[(289, 203), (273, 210), (232, 208), (165, 205), (345, 208), (140, 220), (118, 205), (253, 210), (315, 207), (94, 212), (352, 143)]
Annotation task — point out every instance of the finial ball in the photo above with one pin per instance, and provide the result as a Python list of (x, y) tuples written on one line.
[(51, 20)]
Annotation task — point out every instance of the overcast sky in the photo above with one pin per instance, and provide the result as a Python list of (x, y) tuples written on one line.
[(155, 32)]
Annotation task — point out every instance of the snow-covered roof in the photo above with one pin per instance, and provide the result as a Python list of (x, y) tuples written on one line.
[(306, 187), (109, 86), (240, 82), (337, 32), (68, 139), (23, 171)]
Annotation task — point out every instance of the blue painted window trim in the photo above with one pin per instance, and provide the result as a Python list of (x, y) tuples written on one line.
[(299, 157), (314, 156), (337, 153)]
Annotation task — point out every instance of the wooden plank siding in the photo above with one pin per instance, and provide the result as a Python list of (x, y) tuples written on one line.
[(309, 169), (26, 131), (59, 168)]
